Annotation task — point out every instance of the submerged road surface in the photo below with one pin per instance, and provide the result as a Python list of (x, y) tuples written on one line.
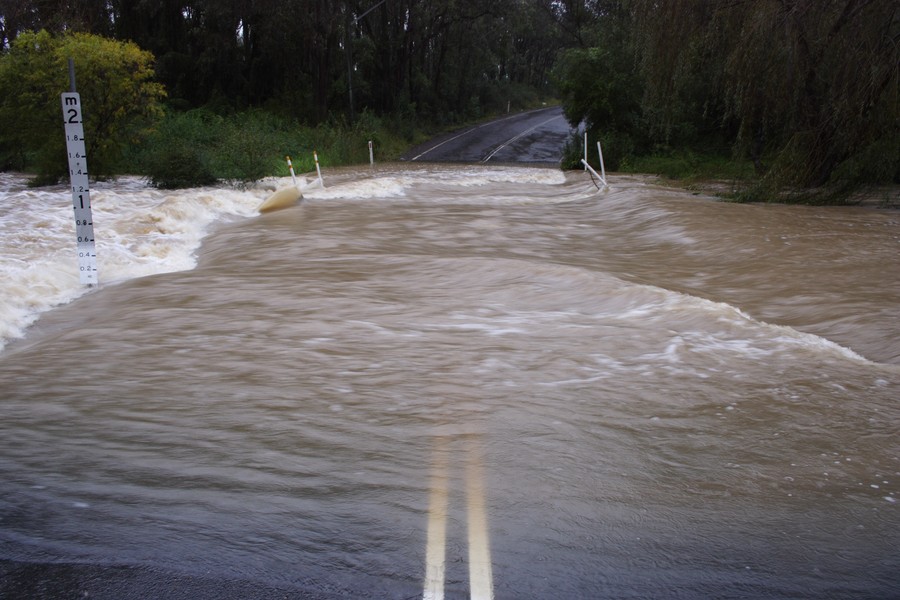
[(536, 136), (448, 382)]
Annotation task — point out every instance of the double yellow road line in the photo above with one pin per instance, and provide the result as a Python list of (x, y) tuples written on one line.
[(481, 586)]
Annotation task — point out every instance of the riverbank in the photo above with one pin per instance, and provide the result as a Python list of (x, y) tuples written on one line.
[(885, 196), (736, 180)]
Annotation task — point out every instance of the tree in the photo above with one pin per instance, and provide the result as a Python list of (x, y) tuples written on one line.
[(599, 84), (118, 94), (812, 85), (322, 59)]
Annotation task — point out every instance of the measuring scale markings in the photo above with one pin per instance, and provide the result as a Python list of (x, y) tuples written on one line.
[(81, 192)]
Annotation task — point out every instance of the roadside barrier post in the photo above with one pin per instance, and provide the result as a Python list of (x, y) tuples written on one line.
[(602, 168), (585, 150), (291, 169), (318, 170)]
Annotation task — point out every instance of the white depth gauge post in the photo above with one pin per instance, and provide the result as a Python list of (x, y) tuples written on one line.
[(78, 174)]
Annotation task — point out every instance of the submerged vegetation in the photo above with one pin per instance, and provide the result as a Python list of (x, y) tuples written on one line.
[(797, 99)]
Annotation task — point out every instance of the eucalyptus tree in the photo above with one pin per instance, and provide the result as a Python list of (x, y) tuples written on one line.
[(811, 85), (321, 59)]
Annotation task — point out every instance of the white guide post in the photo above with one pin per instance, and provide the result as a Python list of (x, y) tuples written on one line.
[(371, 153), (318, 170), (291, 169), (602, 167), (78, 175), (585, 149)]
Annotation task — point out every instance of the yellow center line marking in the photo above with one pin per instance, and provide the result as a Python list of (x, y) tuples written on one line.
[(435, 553), (481, 585)]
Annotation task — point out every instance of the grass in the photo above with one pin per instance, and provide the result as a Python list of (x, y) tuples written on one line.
[(688, 167), (199, 147)]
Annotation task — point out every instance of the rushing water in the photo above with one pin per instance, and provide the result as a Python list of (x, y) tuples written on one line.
[(455, 381)]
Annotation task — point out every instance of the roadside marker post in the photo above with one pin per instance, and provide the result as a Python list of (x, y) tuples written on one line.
[(602, 167), (318, 170), (594, 173), (291, 169), (76, 148), (585, 149)]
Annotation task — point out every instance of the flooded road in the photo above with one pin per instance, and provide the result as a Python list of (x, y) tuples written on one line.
[(465, 382)]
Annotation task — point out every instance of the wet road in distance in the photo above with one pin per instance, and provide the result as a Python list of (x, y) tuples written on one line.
[(536, 136)]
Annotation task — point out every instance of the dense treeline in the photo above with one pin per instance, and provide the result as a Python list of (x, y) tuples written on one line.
[(808, 90), (804, 92), (247, 82), (315, 58)]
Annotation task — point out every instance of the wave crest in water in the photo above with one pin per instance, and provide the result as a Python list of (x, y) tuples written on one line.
[(140, 231), (456, 183), (509, 296), (143, 231)]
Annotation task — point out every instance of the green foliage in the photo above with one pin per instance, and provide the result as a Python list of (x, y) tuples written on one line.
[(198, 147), (600, 88), (179, 153), (806, 89), (689, 165), (876, 163), (248, 147), (301, 59), (596, 86), (618, 148), (119, 99)]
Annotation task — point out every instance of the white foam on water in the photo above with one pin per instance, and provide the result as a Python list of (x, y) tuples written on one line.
[(522, 297), (143, 231), (378, 187), (455, 182), (716, 327), (487, 176), (139, 231)]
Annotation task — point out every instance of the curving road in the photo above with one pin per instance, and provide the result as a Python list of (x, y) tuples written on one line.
[(536, 136)]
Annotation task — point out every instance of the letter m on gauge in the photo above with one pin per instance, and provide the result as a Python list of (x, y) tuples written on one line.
[(71, 108)]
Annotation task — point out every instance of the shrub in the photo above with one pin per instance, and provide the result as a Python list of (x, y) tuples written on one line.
[(114, 80), (177, 155)]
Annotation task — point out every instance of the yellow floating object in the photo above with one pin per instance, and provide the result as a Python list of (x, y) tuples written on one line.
[(283, 198)]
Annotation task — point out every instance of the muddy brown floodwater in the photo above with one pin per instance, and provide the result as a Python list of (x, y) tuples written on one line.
[(472, 382)]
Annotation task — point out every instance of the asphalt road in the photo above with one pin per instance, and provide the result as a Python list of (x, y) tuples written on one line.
[(536, 136)]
